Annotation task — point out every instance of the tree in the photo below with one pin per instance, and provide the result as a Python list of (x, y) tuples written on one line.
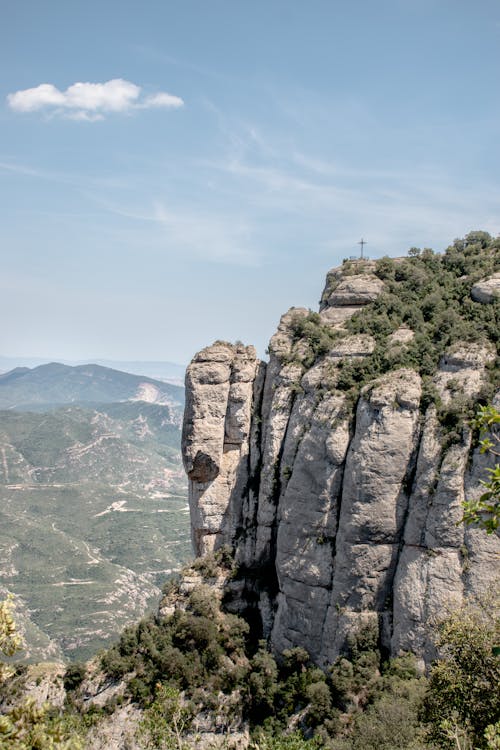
[(10, 641), (26, 726), (294, 741), (165, 721), (485, 512), (262, 682), (463, 701)]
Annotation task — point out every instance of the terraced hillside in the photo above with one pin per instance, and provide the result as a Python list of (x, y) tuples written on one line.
[(93, 505)]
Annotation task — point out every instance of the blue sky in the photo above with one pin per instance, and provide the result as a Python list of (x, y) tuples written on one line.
[(241, 151)]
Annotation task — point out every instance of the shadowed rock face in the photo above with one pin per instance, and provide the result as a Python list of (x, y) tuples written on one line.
[(337, 515)]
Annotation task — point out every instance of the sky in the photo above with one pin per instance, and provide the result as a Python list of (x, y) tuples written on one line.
[(172, 173)]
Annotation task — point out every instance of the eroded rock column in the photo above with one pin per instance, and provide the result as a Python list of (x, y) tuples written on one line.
[(215, 440)]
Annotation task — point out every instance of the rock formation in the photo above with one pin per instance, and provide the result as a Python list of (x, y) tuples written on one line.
[(486, 290), (338, 513)]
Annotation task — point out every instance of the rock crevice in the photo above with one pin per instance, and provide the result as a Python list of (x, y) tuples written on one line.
[(337, 513)]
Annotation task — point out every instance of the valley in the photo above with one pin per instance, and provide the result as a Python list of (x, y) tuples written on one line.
[(93, 503)]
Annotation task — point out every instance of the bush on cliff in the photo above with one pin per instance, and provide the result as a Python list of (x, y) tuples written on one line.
[(27, 726), (485, 512), (431, 294), (196, 647), (463, 700)]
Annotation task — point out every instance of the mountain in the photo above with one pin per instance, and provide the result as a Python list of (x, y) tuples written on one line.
[(325, 491), (93, 505), (167, 371), (159, 370), (55, 384), (336, 472)]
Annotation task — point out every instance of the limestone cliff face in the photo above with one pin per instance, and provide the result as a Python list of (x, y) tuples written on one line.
[(337, 513), (221, 385)]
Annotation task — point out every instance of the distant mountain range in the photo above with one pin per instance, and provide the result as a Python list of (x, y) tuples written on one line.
[(167, 371), (55, 384), (93, 501)]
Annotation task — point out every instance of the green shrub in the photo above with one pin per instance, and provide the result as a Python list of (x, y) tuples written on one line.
[(391, 722), (296, 741), (74, 676), (165, 720), (311, 330), (432, 295), (201, 602), (463, 688), (320, 703), (262, 683)]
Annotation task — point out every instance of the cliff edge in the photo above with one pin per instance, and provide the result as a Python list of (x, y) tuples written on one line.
[(336, 472)]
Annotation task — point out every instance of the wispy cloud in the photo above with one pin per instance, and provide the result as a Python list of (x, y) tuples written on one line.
[(337, 199), (90, 101), (20, 169), (159, 56), (192, 233), (425, 196), (209, 236), (77, 181)]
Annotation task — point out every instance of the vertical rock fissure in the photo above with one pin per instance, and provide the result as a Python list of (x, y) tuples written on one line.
[(277, 495), (292, 458), (254, 471), (340, 492), (466, 548), (352, 432), (407, 487), (338, 517)]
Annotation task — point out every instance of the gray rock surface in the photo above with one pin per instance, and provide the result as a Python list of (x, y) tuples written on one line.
[(215, 445), (355, 290), (487, 290)]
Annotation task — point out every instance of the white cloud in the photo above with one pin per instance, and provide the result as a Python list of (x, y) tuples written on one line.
[(162, 100), (28, 100), (90, 101), (113, 96)]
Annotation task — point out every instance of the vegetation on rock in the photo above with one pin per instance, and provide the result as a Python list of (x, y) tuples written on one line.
[(200, 660), (485, 512), (431, 295), (462, 704), (27, 726), (205, 656)]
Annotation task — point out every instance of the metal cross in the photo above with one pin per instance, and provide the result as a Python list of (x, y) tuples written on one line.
[(362, 243)]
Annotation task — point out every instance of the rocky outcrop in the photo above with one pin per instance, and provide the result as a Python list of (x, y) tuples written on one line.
[(220, 385), (487, 290), (337, 513)]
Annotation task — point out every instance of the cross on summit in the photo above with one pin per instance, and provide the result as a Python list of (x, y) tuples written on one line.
[(362, 242)]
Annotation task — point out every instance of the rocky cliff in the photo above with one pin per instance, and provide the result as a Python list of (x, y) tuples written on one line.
[(336, 471)]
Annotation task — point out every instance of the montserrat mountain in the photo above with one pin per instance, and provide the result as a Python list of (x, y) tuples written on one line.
[(335, 473)]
